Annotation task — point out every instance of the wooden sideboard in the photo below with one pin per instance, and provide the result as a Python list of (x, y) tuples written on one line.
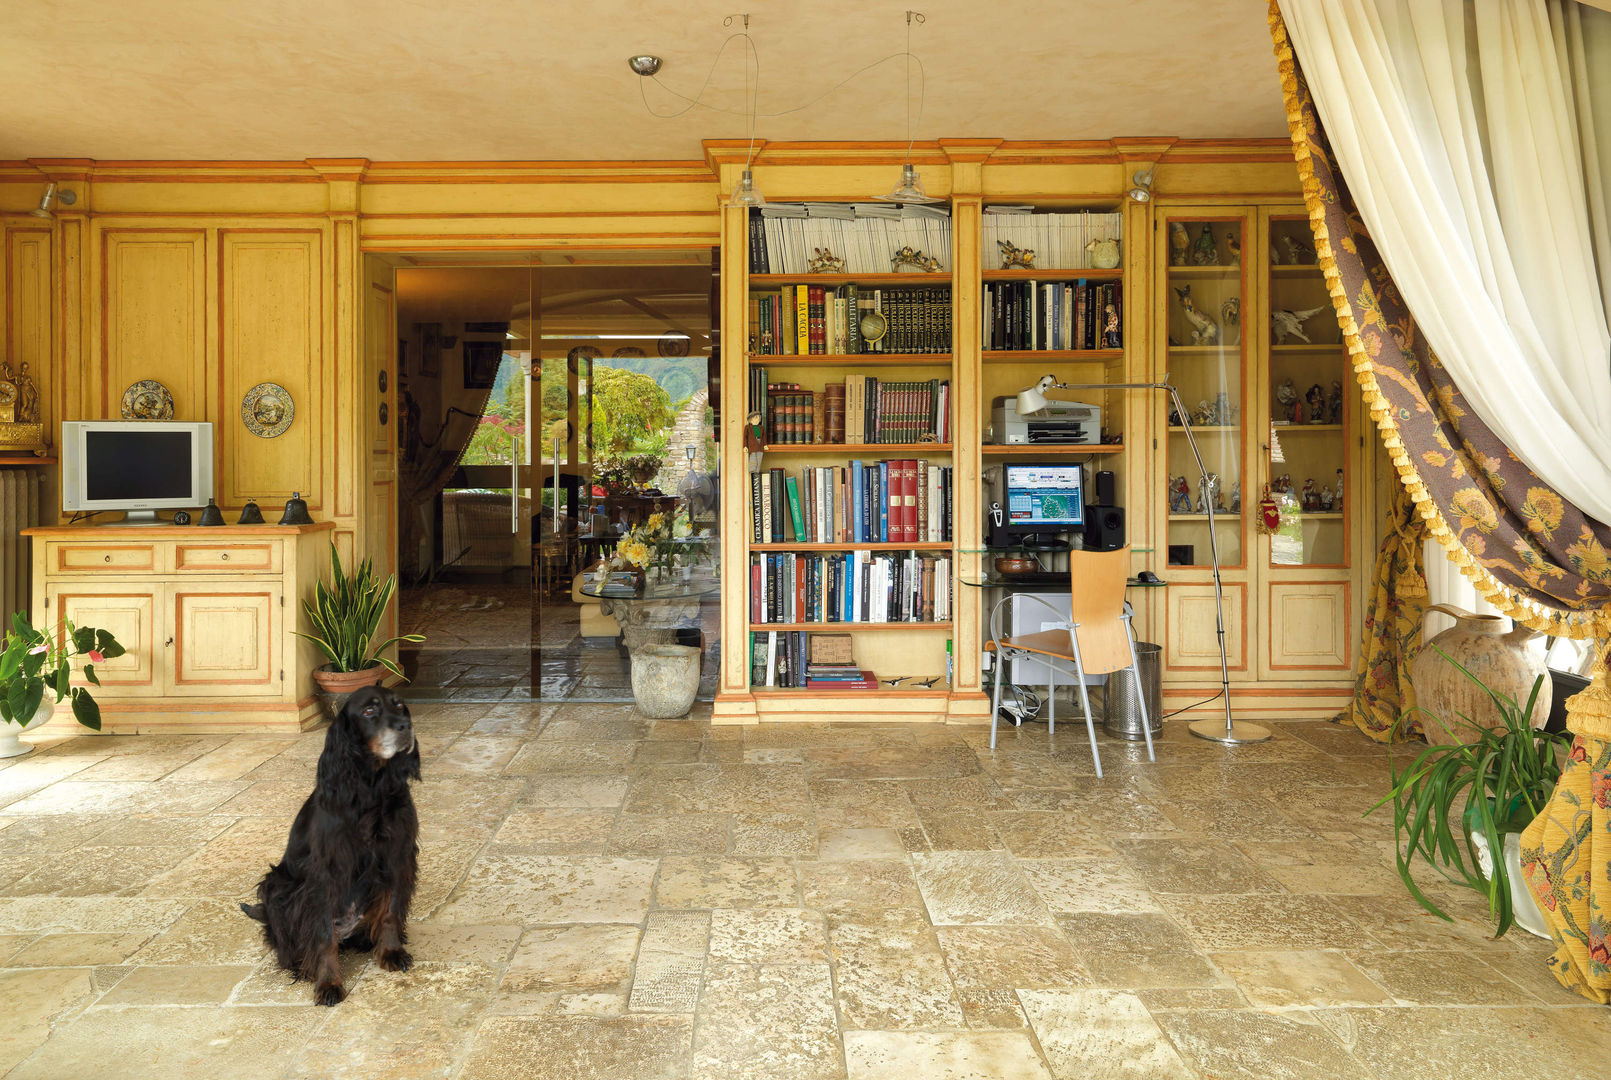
[(207, 615)]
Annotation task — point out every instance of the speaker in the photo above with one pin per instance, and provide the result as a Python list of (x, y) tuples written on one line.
[(1105, 489), (1104, 528)]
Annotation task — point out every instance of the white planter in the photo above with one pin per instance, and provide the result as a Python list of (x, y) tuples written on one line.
[(665, 679), (11, 745), (1522, 904)]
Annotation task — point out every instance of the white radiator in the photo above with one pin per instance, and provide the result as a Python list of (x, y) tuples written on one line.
[(19, 509)]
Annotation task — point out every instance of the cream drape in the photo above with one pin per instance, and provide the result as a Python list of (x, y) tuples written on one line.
[(1476, 139)]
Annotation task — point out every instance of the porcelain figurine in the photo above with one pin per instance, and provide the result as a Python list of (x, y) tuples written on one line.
[(1236, 497), (1282, 484), (1288, 323), (1275, 256), (1337, 504), (1327, 500), (1203, 415), (1179, 495), (1209, 494), (1014, 257), (1205, 252), (1111, 337), (1178, 243), (1298, 253), (1334, 403), (1224, 411), (1230, 316), (1233, 248), (1309, 499), (1286, 396), (1314, 405), (1104, 253), (1205, 331)]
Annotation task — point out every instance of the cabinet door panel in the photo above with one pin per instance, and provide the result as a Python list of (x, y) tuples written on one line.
[(1192, 645), (223, 642), (130, 614), (1310, 629)]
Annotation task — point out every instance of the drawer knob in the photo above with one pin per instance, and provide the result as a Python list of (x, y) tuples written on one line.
[(224, 556), (107, 558), (168, 642)]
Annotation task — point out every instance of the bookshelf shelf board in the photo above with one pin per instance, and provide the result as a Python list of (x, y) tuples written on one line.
[(1297, 270), (1054, 274), (1327, 515), (1204, 271), (853, 360), (1019, 356), (1205, 350), (1176, 429), (1300, 347), (1038, 449), (10, 460), (894, 545), (857, 448), (1287, 429), (874, 280), (882, 691), (1218, 515), (849, 627)]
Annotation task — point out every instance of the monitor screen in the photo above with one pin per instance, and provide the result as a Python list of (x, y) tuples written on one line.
[(137, 466), (1044, 497)]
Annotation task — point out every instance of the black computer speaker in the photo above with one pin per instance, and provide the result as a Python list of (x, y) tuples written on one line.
[(1104, 528), (1106, 494)]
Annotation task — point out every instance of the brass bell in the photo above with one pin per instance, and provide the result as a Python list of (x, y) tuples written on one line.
[(250, 514), (211, 515), (296, 511)]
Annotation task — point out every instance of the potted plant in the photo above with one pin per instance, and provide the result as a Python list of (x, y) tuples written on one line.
[(345, 617), (36, 672), (1490, 785)]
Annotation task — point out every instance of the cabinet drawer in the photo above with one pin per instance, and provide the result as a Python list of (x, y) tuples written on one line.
[(235, 558), (71, 558)]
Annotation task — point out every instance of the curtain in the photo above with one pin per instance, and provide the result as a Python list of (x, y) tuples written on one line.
[(432, 463), (1393, 612), (1516, 532)]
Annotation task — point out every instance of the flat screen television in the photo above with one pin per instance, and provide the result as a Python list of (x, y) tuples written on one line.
[(1044, 500), (137, 466)]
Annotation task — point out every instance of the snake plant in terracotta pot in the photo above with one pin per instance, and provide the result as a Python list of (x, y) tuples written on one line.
[(1461, 804), (36, 673), (345, 616)]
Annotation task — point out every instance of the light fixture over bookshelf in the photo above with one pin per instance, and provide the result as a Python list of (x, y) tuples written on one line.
[(910, 189), (1141, 186), (746, 193)]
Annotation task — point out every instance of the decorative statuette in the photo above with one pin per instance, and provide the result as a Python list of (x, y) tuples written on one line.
[(910, 256), (296, 511), (1298, 253), (1286, 396), (1104, 253), (1204, 252), (1230, 316), (1112, 338), (1314, 405), (211, 515), (1179, 242), (250, 514), (1015, 257), (1288, 323), (824, 261), (20, 427), (1205, 331), (1179, 495), (1233, 248)]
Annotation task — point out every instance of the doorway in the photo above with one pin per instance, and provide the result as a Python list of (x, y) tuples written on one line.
[(546, 410)]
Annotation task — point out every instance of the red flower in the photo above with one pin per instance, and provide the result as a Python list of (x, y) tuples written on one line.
[(96, 656), (1579, 751)]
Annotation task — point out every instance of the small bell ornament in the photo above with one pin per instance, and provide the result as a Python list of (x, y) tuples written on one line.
[(211, 515), (296, 511), (250, 514)]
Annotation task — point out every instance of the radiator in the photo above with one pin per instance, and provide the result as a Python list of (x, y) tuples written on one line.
[(19, 509)]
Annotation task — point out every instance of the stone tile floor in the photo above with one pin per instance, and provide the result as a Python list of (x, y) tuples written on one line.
[(609, 897)]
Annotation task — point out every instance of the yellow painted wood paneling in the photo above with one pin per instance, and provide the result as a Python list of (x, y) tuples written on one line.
[(153, 318), (271, 328), (27, 313), (1191, 643), (223, 641), (130, 613), (1310, 632)]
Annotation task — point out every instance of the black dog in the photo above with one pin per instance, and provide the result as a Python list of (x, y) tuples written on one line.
[(348, 873)]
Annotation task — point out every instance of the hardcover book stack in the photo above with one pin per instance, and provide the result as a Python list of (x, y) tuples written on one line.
[(785, 236), (1036, 315), (862, 410), (905, 501), (1059, 241), (850, 587), (821, 320)]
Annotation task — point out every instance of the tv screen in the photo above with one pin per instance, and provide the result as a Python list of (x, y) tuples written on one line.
[(1044, 497), (137, 466)]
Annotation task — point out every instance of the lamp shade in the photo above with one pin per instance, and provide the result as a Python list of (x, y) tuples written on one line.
[(910, 189), (1032, 399), (746, 193)]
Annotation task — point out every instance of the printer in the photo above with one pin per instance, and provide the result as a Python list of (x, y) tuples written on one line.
[(1059, 422)]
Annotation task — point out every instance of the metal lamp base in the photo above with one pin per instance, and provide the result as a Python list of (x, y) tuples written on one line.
[(1239, 731)]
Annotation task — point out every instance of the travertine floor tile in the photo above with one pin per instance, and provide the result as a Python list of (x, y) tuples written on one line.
[(978, 887), (575, 958), (700, 881), (570, 830), (1276, 980), (1259, 1046), (1100, 1035), (970, 1055), (1138, 951), (768, 936), (760, 1022), (581, 1048), (1071, 885), (1437, 977), (178, 984), (537, 889)]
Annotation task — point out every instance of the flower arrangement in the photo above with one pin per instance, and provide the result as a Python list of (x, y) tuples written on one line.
[(658, 541), (34, 661)]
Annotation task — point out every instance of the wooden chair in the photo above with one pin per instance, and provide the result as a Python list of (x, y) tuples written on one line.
[(1100, 640)]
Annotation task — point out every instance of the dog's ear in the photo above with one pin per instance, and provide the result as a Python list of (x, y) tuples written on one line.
[(344, 750), (408, 762)]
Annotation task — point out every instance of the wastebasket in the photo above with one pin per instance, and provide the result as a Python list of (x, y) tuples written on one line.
[(1121, 712)]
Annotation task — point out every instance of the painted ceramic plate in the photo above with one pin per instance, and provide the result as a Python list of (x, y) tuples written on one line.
[(626, 352), (582, 354), (147, 400), (672, 344), (267, 410)]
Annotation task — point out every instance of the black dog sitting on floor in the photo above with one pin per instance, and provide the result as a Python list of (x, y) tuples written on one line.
[(348, 873)]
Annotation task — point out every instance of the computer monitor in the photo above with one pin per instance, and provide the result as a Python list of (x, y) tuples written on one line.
[(138, 466), (1043, 500)]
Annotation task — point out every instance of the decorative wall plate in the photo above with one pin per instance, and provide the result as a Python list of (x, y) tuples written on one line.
[(267, 410), (672, 344), (626, 352), (147, 400), (582, 353)]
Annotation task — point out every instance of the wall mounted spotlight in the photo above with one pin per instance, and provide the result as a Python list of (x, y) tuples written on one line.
[(66, 198), (1141, 186), (644, 65)]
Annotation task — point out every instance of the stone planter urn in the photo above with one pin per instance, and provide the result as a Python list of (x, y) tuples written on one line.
[(665, 679), (1496, 656), (11, 744)]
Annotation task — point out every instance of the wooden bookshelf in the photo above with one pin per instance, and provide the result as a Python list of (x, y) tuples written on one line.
[(882, 691), (1019, 356), (1300, 347), (853, 449), (1053, 449), (761, 281), (860, 360), (1015, 274), (943, 545), (848, 627)]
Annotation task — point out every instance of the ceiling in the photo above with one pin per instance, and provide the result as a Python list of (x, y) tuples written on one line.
[(487, 80)]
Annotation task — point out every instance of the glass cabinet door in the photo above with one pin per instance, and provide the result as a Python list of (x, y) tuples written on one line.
[(1309, 405), (1203, 301)]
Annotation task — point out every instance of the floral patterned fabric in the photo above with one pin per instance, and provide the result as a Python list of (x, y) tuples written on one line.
[(1392, 633)]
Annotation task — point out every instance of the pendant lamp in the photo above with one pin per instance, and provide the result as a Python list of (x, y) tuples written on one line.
[(910, 189), (746, 193)]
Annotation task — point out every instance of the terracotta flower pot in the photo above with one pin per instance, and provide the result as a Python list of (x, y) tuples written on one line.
[(345, 682)]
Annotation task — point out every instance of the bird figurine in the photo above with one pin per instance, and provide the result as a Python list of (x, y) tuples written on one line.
[(1298, 252), (1230, 315), (1178, 243), (1288, 323), (1204, 252), (896, 681), (1205, 331), (1233, 248), (928, 682)]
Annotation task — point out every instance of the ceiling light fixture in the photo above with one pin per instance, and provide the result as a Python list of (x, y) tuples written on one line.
[(644, 65), (910, 189), (66, 198), (746, 193), (1141, 186)]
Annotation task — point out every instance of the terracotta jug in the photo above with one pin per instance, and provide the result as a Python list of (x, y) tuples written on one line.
[(1498, 657)]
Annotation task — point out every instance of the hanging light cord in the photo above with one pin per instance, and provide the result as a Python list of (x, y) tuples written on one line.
[(911, 132)]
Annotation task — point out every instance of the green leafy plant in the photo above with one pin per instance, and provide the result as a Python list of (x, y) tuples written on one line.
[(1494, 784), (346, 614), (34, 660)]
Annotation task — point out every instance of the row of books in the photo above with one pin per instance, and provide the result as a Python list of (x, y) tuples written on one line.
[(874, 502), (778, 658), (1059, 241), (863, 409), (850, 587), (812, 320), (1052, 315), (784, 237)]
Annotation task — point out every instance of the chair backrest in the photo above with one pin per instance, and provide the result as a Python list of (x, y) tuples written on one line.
[(1096, 584)]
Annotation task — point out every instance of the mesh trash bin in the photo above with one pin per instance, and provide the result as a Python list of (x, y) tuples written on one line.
[(1121, 712)]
